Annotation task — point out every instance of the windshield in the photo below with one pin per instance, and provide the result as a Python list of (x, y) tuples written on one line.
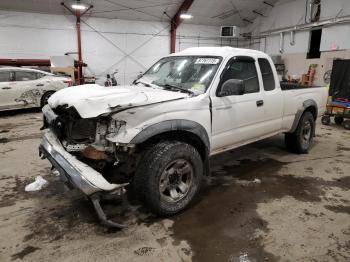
[(179, 73)]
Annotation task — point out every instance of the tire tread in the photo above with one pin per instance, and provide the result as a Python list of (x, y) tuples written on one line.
[(149, 165)]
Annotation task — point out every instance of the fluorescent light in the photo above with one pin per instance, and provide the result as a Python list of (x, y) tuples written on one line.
[(186, 16), (78, 6)]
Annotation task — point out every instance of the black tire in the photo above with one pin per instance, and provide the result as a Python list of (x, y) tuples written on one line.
[(45, 97), (151, 169), (300, 141), (347, 124), (326, 120), (338, 120)]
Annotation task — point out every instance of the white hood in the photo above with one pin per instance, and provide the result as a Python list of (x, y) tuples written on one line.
[(93, 100)]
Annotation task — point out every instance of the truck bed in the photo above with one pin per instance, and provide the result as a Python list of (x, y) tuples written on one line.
[(292, 86)]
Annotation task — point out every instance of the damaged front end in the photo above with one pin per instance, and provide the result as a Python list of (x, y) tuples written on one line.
[(78, 149)]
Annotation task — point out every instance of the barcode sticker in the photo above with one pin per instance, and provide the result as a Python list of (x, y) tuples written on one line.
[(207, 61)]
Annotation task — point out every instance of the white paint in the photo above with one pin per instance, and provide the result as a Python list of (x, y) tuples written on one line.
[(291, 13), (338, 36), (231, 126), (107, 44), (236, 119), (204, 12), (93, 100)]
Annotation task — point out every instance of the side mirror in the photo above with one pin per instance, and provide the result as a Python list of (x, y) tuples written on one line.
[(232, 87)]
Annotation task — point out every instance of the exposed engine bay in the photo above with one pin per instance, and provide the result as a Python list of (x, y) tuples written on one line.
[(86, 138)]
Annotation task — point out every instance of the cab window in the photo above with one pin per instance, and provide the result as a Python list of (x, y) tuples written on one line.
[(4, 76), (40, 75), (25, 76), (267, 74), (243, 70)]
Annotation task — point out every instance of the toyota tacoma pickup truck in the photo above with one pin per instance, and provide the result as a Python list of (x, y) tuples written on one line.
[(156, 136)]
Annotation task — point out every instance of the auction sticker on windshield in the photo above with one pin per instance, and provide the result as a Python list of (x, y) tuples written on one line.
[(207, 61), (198, 87)]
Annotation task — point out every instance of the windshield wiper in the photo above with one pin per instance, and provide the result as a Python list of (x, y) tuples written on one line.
[(167, 86), (140, 82)]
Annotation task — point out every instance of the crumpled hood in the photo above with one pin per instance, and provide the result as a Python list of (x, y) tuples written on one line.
[(93, 100)]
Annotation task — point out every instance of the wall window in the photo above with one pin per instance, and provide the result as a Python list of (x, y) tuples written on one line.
[(315, 10), (314, 44), (267, 74), (243, 70)]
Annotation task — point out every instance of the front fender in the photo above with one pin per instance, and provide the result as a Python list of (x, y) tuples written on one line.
[(173, 125)]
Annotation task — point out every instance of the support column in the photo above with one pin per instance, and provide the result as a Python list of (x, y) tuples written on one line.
[(80, 56), (176, 21)]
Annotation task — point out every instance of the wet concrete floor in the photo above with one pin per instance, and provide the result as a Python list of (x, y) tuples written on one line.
[(261, 203)]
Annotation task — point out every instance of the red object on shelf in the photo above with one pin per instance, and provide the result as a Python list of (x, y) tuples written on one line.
[(311, 76), (308, 79)]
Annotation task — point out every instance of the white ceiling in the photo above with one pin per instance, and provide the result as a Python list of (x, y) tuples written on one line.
[(207, 12)]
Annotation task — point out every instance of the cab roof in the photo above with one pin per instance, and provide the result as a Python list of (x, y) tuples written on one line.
[(224, 51)]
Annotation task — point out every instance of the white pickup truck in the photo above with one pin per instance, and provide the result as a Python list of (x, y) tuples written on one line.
[(159, 133)]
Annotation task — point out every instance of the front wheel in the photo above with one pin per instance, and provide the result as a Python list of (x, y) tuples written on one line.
[(168, 177), (300, 141), (45, 98)]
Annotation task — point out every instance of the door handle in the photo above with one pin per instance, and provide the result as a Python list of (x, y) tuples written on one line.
[(260, 103), (40, 85), (6, 87)]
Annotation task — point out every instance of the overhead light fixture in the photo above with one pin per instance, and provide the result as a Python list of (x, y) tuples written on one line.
[(186, 16), (78, 6)]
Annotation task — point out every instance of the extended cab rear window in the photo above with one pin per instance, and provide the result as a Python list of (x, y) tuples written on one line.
[(267, 74)]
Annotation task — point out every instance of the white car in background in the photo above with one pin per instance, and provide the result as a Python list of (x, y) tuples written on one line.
[(25, 88)]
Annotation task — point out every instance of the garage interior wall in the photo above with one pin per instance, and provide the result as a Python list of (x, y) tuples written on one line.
[(107, 44), (335, 41)]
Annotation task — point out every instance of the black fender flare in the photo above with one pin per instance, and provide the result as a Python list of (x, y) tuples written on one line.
[(300, 112), (173, 125)]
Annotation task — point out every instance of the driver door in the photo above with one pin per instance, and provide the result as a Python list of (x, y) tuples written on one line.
[(236, 118), (7, 90)]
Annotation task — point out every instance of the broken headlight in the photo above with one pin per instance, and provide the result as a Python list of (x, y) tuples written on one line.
[(115, 126)]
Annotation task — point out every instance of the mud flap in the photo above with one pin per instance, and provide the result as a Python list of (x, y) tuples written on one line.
[(95, 198)]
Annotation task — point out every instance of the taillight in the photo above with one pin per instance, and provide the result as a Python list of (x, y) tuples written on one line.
[(68, 82)]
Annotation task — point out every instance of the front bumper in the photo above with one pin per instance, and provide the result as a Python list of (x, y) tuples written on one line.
[(73, 171)]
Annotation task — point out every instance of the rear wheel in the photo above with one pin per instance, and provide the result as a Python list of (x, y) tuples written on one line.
[(45, 98), (168, 177), (326, 120), (300, 141), (347, 124), (338, 120)]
